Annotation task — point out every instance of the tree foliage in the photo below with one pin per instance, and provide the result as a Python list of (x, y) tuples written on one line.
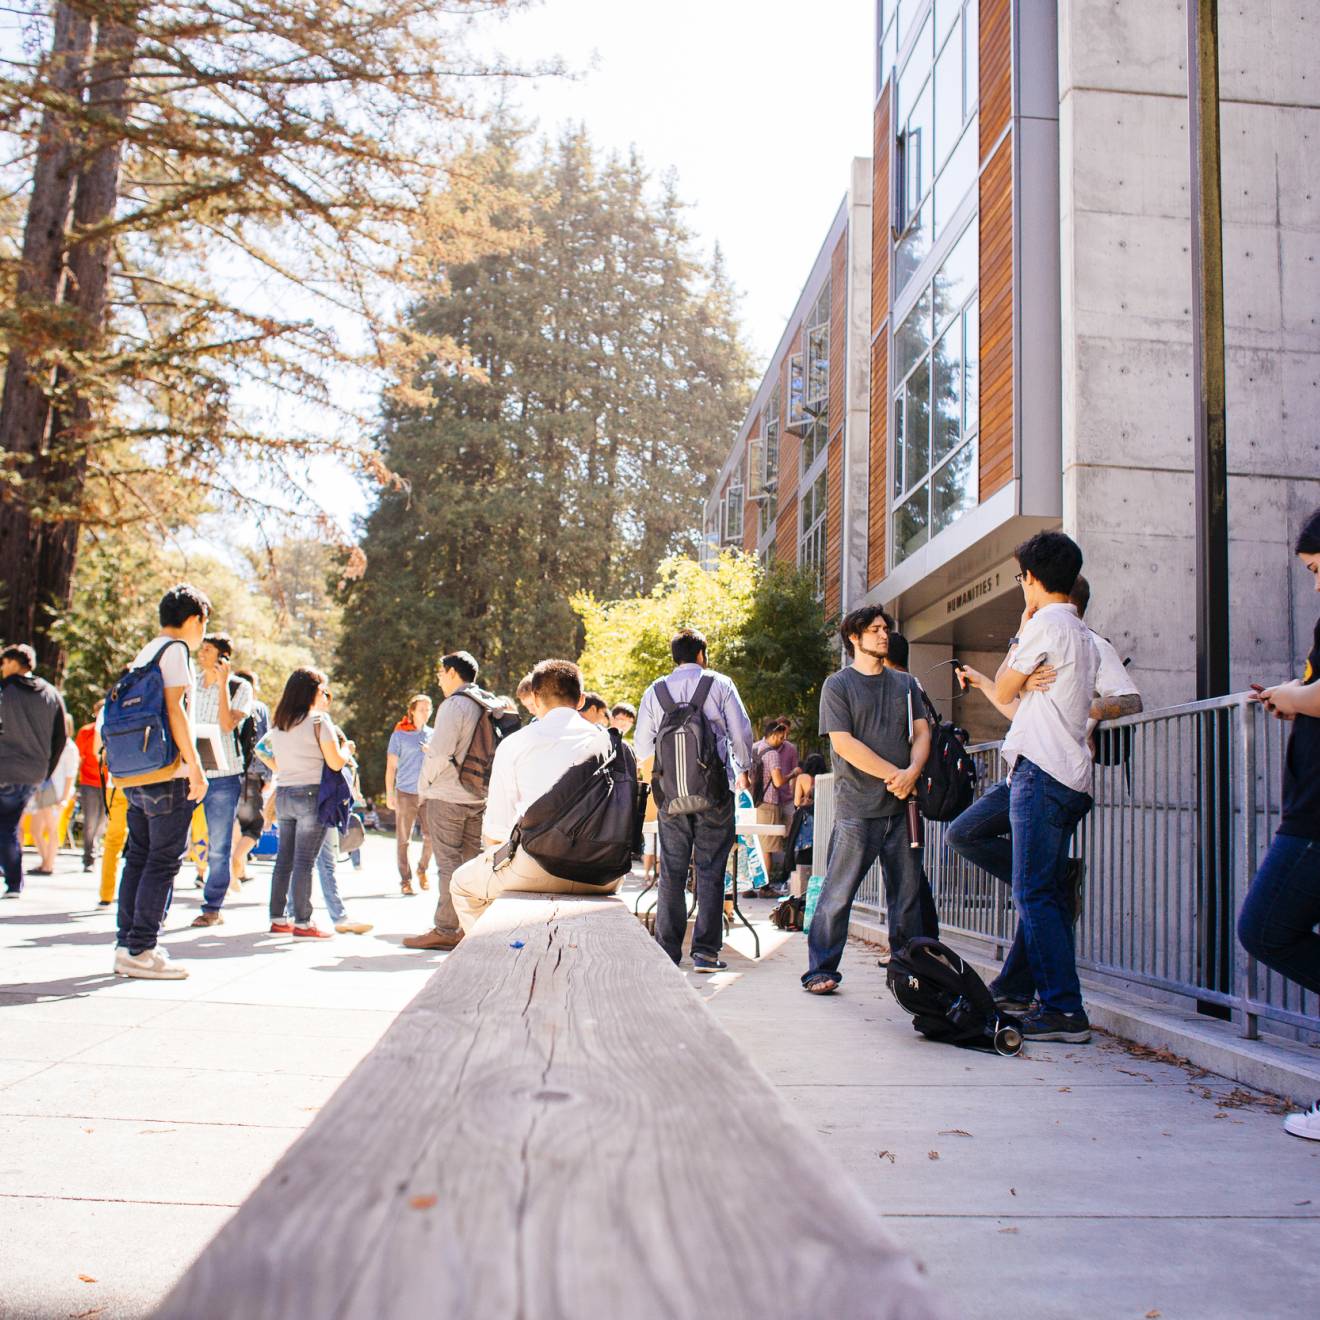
[(608, 379), (764, 628)]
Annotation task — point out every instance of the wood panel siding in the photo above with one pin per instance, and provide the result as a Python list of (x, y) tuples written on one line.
[(996, 457), (786, 531), (880, 209), (996, 71), (878, 484), (833, 524)]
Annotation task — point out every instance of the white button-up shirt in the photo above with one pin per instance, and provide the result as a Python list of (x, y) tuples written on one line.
[(529, 763), (1049, 728)]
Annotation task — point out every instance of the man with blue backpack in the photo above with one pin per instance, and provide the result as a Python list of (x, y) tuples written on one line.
[(696, 725), (147, 731)]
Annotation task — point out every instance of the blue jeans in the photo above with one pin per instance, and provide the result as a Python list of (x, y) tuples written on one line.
[(1020, 832), (705, 839), (1277, 925), (301, 837), (221, 806), (158, 819), (854, 848), (325, 869), (13, 803)]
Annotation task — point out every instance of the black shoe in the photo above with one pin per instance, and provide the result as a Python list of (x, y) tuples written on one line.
[(1071, 1028), (700, 964), (1015, 1007)]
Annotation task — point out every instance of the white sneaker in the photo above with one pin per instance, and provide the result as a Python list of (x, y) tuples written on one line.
[(1306, 1124), (149, 965)]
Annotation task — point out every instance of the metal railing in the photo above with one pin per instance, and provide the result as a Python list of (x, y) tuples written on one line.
[(1180, 824)]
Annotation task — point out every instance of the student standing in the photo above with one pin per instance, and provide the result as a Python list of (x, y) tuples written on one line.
[(775, 787), (867, 711), (225, 702), (1047, 793), (1277, 925), (705, 837), (249, 821), (302, 740), (52, 805), (403, 770), (91, 788), (159, 814)]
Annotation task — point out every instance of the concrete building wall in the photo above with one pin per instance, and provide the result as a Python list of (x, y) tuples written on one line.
[(1126, 303)]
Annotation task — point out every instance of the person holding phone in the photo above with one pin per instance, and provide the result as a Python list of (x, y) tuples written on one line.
[(1277, 924)]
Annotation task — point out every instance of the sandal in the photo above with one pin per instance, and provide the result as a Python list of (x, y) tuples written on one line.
[(825, 986)]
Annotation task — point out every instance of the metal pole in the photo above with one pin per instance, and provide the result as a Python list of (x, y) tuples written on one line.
[(1210, 466)]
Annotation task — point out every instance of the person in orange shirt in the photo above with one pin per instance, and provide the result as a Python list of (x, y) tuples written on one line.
[(91, 788)]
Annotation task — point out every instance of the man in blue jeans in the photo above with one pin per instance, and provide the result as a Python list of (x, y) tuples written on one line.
[(867, 710), (702, 839), (224, 702), (1020, 830), (159, 814), (32, 737)]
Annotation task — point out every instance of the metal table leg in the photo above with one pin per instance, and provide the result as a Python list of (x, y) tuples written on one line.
[(738, 912)]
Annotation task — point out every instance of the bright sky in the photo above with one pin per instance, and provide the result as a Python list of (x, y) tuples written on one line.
[(759, 105)]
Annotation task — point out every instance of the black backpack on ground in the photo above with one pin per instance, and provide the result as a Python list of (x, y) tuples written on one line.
[(947, 783), (947, 999), (689, 775), (583, 828)]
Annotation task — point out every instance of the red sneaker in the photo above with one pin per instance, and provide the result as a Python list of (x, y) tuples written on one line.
[(312, 933), (281, 928)]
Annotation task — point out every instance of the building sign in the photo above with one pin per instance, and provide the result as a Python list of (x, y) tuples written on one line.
[(994, 582), (979, 590)]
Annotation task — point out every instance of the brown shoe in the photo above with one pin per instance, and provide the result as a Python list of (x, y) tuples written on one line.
[(406, 888), (208, 919), (353, 927), (434, 939), (423, 880)]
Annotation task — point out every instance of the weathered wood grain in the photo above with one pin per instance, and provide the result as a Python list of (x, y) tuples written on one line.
[(556, 1131)]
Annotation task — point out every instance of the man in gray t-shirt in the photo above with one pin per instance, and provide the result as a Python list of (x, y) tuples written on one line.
[(867, 711)]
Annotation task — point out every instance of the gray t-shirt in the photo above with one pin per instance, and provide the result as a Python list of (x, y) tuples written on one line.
[(873, 708)]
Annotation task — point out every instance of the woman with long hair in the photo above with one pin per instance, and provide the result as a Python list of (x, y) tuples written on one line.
[(1278, 921), (302, 741)]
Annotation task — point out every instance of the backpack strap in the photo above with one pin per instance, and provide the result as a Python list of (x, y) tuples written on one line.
[(664, 696), (154, 662), (698, 699)]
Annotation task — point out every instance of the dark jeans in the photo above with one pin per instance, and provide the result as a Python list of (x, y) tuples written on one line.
[(158, 820), (301, 837), (853, 849), (221, 806), (1277, 925), (1020, 832), (704, 838), (91, 798), (14, 799)]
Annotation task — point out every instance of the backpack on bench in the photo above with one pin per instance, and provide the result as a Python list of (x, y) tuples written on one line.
[(947, 999)]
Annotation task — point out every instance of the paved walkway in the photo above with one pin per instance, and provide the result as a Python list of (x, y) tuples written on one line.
[(1079, 1181)]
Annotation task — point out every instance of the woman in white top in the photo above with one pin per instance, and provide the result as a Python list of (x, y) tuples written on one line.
[(303, 740)]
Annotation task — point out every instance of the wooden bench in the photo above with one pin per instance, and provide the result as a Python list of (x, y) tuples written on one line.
[(557, 1130)]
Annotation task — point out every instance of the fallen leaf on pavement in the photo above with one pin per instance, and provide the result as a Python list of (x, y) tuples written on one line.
[(1012, 1191), (932, 1154), (89, 1129), (423, 1202), (1065, 1088), (1127, 1072), (886, 1155), (1008, 1230), (954, 1132), (155, 1132), (1154, 1315), (1301, 1203), (87, 1315), (87, 1278)]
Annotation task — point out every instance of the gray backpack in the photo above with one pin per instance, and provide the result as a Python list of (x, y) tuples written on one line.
[(689, 774)]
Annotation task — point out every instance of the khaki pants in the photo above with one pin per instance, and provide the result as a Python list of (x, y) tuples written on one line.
[(408, 813), (477, 884), (770, 813)]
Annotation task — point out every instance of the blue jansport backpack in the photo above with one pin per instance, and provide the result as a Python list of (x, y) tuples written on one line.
[(135, 730)]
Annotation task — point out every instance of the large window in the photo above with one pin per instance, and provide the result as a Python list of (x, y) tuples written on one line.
[(811, 529), (937, 130), (770, 428), (936, 421), (733, 509), (814, 422)]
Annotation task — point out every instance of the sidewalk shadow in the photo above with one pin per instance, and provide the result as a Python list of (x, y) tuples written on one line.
[(21, 993), (227, 946), (49, 918), (77, 937), (426, 959)]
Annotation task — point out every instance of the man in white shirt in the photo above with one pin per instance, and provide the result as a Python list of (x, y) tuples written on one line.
[(527, 765), (1047, 793)]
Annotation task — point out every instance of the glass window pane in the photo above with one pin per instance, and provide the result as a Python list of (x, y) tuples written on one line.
[(795, 389), (972, 366), (918, 154), (954, 487), (946, 383), (957, 178), (889, 54), (918, 63), (818, 365), (948, 98), (917, 438), (898, 443), (913, 336), (956, 280), (945, 12), (912, 524), (912, 248), (971, 43)]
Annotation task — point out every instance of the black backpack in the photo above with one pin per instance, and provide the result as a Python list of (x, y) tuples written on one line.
[(947, 999), (689, 774), (583, 828), (756, 775), (246, 734), (787, 914), (947, 783)]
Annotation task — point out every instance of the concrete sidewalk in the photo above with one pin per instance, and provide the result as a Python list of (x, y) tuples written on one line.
[(1070, 1181), (138, 1114)]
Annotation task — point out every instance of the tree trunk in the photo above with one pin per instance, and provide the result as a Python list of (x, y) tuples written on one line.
[(85, 290), (24, 407)]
